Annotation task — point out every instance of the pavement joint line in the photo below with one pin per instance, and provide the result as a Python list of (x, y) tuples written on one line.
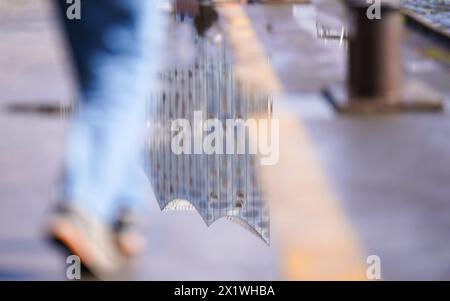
[(316, 238)]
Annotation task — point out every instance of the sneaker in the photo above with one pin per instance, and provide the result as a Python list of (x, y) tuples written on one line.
[(90, 239)]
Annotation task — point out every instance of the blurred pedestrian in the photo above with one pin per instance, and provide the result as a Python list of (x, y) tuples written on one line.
[(113, 47)]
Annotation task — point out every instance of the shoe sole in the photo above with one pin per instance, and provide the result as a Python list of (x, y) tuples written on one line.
[(68, 236)]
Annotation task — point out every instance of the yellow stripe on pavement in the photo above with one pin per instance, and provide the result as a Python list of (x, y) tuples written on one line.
[(315, 236)]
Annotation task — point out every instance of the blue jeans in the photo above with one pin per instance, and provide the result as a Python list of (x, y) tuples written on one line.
[(113, 47)]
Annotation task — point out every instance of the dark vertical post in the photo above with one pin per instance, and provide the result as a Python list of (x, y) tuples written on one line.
[(375, 70)]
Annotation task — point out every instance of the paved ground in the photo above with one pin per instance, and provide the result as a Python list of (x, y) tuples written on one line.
[(35, 71), (390, 173)]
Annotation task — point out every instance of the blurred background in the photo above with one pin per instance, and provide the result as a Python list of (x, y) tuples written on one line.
[(357, 186)]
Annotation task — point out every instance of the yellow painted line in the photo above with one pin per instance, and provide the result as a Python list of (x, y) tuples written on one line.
[(317, 241), (251, 62), (315, 237)]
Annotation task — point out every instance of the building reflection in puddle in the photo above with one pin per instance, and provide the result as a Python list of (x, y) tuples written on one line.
[(216, 185), (324, 19)]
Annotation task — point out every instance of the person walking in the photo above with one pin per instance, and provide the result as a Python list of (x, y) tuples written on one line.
[(113, 46)]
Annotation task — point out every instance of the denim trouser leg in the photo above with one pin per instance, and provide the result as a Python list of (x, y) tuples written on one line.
[(112, 47)]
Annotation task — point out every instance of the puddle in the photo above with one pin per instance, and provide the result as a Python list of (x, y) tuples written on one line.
[(216, 185), (323, 19)]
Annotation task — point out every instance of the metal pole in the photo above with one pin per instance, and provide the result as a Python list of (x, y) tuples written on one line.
[(375, 53)]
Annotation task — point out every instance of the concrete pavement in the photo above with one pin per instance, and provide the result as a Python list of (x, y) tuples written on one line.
[(36, 71), (387, 175)]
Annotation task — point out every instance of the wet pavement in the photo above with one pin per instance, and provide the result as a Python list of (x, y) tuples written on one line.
[(35, 74), (389, 172)]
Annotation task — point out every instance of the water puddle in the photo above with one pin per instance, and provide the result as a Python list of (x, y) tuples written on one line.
[(219, 184)]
